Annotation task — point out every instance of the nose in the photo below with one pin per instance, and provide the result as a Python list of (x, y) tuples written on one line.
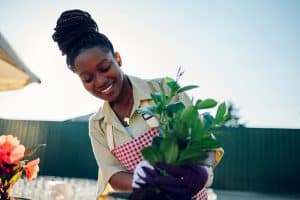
[(100, 80)]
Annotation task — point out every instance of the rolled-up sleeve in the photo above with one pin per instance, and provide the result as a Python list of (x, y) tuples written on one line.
[(107, 163), (219, 152)]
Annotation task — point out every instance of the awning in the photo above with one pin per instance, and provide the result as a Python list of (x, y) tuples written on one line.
[(13, 73)]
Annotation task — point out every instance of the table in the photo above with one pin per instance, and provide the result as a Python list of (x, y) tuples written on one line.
[(56, 188)]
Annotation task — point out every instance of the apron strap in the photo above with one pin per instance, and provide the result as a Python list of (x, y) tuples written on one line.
[(151, 121), (109, 136)]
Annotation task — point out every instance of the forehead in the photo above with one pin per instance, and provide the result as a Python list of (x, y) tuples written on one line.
[(92, 56)]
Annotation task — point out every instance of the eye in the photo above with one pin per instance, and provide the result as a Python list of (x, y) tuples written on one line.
[(86, 78), (105, 67)]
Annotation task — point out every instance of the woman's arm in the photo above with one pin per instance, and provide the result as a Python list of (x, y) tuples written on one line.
[(107, 163), (121, 181)]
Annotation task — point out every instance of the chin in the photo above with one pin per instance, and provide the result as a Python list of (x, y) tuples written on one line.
[(106, 98)]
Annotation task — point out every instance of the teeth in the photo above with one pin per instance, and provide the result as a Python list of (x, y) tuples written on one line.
[(106, 89)]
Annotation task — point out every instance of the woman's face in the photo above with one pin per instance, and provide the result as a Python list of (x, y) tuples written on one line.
[(100, 73)]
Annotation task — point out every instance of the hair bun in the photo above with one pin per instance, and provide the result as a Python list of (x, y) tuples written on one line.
[(71, 26)]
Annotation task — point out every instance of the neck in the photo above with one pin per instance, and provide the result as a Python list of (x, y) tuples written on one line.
[(123, 105), (125, 99)]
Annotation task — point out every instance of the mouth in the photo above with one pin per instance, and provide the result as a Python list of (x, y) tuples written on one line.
[(106, 90)]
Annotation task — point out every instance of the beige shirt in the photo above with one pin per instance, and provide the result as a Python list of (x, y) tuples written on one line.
[(107, 163)]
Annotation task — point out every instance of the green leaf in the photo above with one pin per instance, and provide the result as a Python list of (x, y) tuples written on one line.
[(176, 107), (152, 155), (207, 121), (169, 148), (31, 151), (148, 110), (207, 103), (172, 84), (15, 178), (18, 167), (205, 144), (198, 101), (156, 97), (181, 130), (189, 113), (186, 88), (164, 97), (226, 117), (189, 155), (157, 141), (4, 182), (220, 113), (197, 129)]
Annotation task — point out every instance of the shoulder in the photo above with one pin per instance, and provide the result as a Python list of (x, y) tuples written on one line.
[(154, 84), (95, 121), (154, 80), (144, 87), (137, 80), (96, 116), (103, 111)]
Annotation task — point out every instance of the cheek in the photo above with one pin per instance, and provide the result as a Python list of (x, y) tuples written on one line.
[(118, 73), (88, 87)]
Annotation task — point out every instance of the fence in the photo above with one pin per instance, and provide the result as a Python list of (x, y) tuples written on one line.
[(68, 152), (256, 159), (260, 159)]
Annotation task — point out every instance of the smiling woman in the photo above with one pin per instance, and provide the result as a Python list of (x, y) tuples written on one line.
[(118, 132), (100, 73)]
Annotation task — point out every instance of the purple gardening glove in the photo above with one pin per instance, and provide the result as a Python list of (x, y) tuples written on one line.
[(182, 183), (143, 184), (185, 181)]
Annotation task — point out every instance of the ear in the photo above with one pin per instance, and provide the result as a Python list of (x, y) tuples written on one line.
[(118, 58)]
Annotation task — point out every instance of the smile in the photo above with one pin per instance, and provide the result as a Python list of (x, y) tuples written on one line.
[(106, 90)]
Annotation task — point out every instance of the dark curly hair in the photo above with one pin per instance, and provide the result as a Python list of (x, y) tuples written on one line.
[(76, 30)]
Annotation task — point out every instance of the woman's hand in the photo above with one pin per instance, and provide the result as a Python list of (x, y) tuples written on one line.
[(182, 182)]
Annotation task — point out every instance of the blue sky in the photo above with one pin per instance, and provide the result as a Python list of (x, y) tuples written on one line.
[(246, 51)]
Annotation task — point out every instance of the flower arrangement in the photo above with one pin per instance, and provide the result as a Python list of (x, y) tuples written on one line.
[(13, 163)]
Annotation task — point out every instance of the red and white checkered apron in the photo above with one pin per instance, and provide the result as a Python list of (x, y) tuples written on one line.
[(129, 155), (201, 195)]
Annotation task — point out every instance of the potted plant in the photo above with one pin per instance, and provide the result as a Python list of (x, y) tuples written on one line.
[(186, 132)]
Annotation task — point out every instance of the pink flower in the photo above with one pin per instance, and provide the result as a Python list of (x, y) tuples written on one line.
[(32, 169), (11, 151)]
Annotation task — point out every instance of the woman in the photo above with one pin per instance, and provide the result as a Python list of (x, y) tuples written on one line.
[(117, 131)]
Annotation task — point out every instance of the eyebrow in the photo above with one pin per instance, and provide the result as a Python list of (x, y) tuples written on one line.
[(100, 63)]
